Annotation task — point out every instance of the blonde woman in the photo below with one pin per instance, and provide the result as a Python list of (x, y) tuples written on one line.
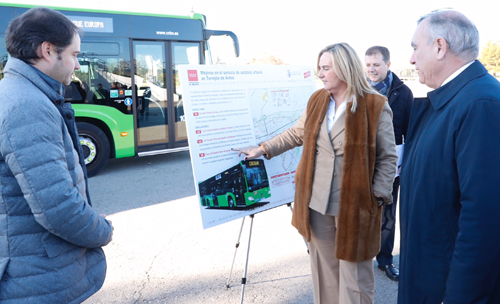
[(344, 177)]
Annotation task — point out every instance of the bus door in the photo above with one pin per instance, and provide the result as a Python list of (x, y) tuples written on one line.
[(159, 108)]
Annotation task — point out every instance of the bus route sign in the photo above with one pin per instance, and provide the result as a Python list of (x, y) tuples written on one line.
[(238, 106)]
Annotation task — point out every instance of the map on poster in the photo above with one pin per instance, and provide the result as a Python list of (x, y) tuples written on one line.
[(237, 106)]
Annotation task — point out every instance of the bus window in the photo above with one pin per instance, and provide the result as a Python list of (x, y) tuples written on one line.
[(183, 53), (104, 76), (100, 48), (208, 54), (150, 78)]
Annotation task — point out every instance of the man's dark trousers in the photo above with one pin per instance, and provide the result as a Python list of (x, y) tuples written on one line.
[(384, 257)]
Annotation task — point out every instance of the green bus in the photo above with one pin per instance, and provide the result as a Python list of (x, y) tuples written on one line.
[(239, 186), (127, 94)]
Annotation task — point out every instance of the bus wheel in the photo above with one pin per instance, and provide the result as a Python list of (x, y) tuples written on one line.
[(231, 202), (95, 147)]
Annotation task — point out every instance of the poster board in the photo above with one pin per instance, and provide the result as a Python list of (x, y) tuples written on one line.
[(233, 107)]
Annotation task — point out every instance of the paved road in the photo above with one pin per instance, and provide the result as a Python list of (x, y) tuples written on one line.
[(161, 254)]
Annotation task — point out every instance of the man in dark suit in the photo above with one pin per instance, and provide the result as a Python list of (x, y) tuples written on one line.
[(400, 97), (450, 198)]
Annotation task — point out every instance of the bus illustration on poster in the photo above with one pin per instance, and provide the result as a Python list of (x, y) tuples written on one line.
[(240, 186), (237, 106)]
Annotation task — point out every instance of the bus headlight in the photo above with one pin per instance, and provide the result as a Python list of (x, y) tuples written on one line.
[(251, 199)]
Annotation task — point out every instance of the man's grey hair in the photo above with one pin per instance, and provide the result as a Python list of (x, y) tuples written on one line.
[(458, 31)]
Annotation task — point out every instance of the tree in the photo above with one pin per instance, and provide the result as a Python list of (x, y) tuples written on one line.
[(219, 61), (267, 59), (490, 57)]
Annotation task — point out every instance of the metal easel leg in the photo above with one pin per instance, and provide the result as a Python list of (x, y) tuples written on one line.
[(244, 279), (236, 250)]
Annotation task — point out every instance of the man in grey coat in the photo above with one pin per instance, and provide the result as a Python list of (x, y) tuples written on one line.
[(50, 237)]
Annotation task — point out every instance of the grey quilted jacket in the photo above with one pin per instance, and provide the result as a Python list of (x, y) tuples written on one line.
[(50, 237)]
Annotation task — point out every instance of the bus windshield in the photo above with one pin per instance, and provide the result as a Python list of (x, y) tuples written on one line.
[(256, 175)]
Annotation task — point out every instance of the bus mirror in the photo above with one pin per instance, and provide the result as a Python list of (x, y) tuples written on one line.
[(209, 33)]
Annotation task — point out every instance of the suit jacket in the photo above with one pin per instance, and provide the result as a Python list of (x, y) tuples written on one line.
[(450, 194)]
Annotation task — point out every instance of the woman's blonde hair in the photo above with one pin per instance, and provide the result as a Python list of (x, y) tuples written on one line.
[(349, 69)]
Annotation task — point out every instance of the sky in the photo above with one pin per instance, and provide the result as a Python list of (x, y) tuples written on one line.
[(297, 32)]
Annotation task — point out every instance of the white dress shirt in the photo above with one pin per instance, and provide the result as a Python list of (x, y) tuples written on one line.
[(334, 115)]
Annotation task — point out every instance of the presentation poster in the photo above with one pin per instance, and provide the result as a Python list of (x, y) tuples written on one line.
[(233, 107)]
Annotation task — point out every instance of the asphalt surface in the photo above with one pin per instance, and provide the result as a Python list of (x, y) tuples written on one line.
[(161, 254)]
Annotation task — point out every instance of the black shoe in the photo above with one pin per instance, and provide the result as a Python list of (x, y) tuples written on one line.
[(390, 271)]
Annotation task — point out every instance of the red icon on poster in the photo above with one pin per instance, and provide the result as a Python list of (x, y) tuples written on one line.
[(192, 75)]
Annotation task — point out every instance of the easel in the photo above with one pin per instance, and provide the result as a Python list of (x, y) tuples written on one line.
[(244, 278)]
